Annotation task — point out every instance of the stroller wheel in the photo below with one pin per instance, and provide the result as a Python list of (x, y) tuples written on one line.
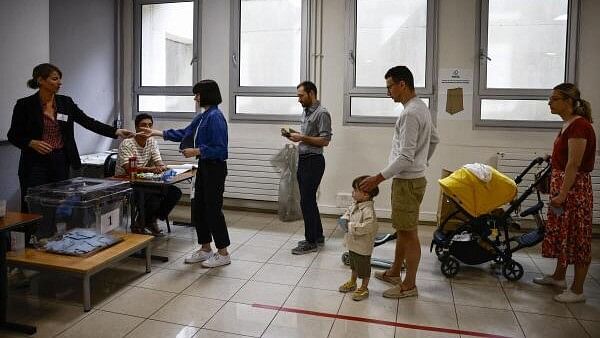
[(439, 252), (346, 258), (512, 270), (449, 266)]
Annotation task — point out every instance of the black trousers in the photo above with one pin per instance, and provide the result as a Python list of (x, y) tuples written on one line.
[(49, 168), (45, 169), (160, 205), (207, 205), (310, 172)]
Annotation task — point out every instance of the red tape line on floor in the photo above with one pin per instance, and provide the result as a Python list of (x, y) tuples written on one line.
[(377, 321)]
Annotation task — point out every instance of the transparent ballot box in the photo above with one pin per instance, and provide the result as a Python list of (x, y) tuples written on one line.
[(80, 202)]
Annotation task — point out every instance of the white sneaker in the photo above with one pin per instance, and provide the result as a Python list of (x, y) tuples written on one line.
[(216, 260), (198, 256), (548, 280), (569, 296)]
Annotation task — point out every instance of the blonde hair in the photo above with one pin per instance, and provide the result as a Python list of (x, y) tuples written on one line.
[(580, 107)]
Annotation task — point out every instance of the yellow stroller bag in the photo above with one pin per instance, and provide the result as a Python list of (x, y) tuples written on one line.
[(476, 196)]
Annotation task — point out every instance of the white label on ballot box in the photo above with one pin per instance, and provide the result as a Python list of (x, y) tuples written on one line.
[(110, 220)]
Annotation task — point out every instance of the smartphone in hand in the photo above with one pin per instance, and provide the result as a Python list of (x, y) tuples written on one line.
[(285, 133)]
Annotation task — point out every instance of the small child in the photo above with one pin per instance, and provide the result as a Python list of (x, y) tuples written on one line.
[(360, 223)]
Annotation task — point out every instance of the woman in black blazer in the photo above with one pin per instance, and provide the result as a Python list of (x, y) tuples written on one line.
[(42, 127)]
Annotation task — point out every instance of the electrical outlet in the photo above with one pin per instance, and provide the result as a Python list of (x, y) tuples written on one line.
[(343, 199)]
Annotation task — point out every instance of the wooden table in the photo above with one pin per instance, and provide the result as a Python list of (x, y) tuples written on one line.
[(84, 267), (11, 220)]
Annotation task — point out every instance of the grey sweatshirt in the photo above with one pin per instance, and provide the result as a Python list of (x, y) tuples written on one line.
[(414, 142)]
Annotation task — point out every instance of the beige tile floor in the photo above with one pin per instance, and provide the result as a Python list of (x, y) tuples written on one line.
[(181, 300)]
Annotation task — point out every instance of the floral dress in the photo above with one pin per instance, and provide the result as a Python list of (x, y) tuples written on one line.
[(569, 236)]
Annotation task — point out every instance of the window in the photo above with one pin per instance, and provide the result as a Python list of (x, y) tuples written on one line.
[(383, 34), (268, 58), (526, 48), (166, 64)]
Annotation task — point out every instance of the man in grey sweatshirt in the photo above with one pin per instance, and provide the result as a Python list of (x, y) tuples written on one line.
[(415, 138)]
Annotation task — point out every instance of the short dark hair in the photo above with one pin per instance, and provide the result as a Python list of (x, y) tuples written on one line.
[(401, 73), (356, 183), (142, 116), (308, 86), (210, 95), (42, 70)]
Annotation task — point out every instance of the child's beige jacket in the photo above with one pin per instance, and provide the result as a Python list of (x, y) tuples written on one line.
[(362, 227)]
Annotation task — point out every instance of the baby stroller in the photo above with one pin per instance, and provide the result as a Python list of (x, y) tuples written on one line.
[(482, 234)]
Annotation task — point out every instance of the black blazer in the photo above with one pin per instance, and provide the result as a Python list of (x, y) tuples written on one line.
[(27, 124)]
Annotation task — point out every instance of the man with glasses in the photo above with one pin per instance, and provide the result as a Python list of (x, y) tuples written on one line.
[(414, 142), (148, 159)]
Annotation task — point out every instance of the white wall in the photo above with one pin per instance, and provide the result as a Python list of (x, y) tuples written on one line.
[(358, 150), (82, 45), (24, 43)]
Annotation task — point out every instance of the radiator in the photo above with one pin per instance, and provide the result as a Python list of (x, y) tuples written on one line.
[(512, 164), (250, 174)]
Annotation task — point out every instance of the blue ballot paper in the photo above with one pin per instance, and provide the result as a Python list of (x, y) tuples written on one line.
[(79, 242)]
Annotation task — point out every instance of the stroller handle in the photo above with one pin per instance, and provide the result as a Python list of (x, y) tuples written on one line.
[(537, 161)]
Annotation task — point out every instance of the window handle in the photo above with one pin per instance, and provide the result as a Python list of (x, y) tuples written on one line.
[(234, 60), (483, 54), (351, 56), (194, 59)]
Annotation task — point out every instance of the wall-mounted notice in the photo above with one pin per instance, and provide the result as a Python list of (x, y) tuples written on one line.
[(455, 93)]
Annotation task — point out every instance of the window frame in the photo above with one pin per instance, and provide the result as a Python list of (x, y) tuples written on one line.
[(138, 89), (481, 92), (350, 88), (236, 90)]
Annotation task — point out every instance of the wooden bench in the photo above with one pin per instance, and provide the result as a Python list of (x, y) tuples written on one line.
[(83, 267)]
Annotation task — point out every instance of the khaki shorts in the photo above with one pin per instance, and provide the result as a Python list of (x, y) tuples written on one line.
[(361, 264), (407, 195)]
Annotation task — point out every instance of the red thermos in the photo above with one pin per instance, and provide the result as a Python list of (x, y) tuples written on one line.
[(132, 167)]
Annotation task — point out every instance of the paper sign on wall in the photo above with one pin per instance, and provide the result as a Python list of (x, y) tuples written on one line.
[(455, 78), (455, 93)]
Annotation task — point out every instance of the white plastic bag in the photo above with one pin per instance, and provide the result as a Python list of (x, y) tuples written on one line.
[(289, 192)]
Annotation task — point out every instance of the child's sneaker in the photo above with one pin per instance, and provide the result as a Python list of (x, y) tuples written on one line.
[(348, 286), (360, 294)]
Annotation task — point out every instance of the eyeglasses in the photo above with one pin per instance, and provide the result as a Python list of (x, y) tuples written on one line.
[(389, 88), (555, 98)]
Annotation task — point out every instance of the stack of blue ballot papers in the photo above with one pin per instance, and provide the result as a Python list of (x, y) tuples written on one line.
[(81, 242)]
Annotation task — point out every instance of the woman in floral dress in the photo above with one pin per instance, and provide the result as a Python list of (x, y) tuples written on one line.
[(569, 228)]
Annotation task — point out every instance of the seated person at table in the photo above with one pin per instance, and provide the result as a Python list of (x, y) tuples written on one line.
[(145, 150)]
